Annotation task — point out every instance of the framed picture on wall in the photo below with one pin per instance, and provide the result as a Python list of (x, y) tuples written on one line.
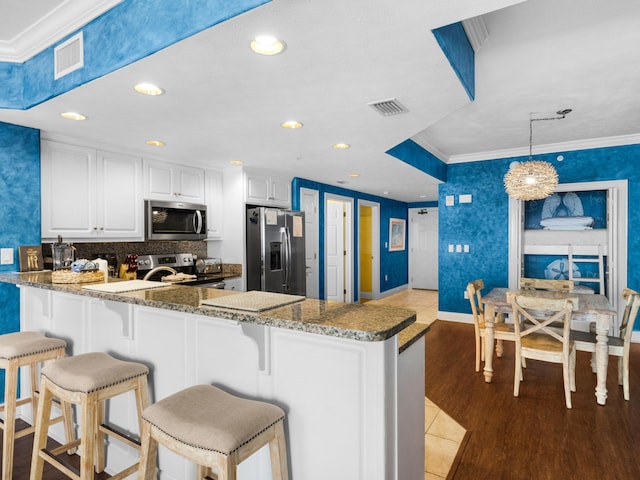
[(397, 234)]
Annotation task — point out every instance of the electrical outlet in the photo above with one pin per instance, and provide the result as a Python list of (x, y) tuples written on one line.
[(466, 295), (6, 256), (386, 278)]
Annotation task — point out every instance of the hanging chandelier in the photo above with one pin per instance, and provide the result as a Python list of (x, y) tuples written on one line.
[(533, 179)]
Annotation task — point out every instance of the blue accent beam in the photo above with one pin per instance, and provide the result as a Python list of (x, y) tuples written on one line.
[(455, 45), (416, 156)]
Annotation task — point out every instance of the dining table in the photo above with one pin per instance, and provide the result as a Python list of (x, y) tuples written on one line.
[(587, 306)]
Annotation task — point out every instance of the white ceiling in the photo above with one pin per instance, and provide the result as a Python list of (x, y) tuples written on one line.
[(224, 102)]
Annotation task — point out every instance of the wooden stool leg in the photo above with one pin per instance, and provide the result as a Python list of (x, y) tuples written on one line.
[(88, 436), (278, 453), (148, 453), (42, 430), (100, 438), (201, 472), (9, 430)]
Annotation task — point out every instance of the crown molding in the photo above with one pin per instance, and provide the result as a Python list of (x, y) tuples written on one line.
[(549, 148), (476, 30), (68, 17)]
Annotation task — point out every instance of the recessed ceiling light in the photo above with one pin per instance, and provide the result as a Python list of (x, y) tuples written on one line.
[(291, 124), (385, 193), (156, 143), (354, 175), (73, 116), (148, 89), (236, 162), (341, 145), (423, 196), (267, 45)]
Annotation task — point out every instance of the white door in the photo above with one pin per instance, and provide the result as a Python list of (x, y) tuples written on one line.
[(334, 272), (309, 205), (423, 240)]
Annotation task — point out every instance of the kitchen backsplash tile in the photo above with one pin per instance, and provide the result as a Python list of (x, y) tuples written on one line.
[(122, 249)]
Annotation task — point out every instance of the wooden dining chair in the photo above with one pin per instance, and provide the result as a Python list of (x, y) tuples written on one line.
[(546, 284), (618, 346), (536, 339), (502, 330)]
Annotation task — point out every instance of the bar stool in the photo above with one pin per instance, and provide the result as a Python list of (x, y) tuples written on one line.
[(87, 380), (25, 349), (212, 428)]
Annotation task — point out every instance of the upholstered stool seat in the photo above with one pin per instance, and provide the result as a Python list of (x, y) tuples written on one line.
[(87, 380), (213, 429), (25, 349)]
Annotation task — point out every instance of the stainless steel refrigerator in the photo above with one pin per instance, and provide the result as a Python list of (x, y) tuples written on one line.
[(275, 250)]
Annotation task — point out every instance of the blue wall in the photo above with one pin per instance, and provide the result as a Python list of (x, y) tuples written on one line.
[(483, 224), (130, 31), (19, 211), (393, 264)]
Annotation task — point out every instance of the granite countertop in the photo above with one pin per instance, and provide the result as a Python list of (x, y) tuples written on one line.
[(354, 321)]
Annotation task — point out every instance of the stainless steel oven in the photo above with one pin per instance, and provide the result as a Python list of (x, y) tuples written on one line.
[(175, 220)]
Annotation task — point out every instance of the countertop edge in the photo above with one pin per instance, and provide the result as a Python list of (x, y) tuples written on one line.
[(259, 318)]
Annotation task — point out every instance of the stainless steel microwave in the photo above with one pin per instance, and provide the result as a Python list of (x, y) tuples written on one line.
[(175, 220)]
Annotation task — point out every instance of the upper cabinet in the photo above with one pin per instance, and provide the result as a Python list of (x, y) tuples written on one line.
[(90, 194), (170, 182), (265, 189)]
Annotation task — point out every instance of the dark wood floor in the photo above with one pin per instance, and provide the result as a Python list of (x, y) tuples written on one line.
[(22, 461), (533, 436)]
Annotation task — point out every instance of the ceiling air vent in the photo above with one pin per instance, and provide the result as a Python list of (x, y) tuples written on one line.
[(68, 56), (386, 108)]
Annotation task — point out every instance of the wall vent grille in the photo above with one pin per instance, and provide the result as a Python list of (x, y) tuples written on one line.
[(68, 56), (388, 107)]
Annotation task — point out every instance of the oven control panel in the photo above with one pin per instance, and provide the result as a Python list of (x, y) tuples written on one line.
[(173, 260)]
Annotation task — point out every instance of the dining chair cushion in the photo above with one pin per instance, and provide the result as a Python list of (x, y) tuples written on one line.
[(90, 372), (209, 418), (21, 344)]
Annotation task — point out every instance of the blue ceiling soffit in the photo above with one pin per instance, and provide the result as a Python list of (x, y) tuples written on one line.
[(128, 32), (416, 156), (455, 44)]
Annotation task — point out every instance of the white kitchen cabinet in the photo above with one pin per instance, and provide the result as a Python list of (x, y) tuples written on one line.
[(88, 194), (171, 182), (213, 199), (264, 189)]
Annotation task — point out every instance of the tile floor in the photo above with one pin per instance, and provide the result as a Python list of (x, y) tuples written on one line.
[(443, 435)]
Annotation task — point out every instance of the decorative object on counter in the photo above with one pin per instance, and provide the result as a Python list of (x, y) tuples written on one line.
[(83, 265), (103, 266), (31, 258), (80, 271), (69, 276), (129, 268), (62, 254), (533, 179)]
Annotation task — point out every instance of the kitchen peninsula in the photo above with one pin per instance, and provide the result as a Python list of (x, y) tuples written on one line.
[(354, 403)]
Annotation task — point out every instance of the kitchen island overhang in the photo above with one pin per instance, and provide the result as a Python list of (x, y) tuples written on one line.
[(334, 368)]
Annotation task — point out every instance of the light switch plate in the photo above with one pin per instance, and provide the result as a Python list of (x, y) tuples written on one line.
[(466, 248), (449, 200), (464, 198), (6, 256), (451, 248)]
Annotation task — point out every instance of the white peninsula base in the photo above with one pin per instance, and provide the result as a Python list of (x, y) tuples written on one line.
[(355, 409)]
